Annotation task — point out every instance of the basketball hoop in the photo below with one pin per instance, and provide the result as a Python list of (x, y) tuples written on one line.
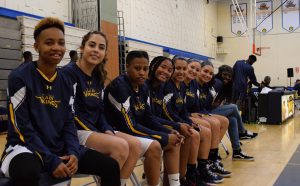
[(257, 50)]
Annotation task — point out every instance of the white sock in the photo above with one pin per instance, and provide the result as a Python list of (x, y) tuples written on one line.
[(174, 179), (123, 182)]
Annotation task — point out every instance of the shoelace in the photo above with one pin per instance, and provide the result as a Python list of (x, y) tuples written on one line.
[(219, 167), (210, 173)]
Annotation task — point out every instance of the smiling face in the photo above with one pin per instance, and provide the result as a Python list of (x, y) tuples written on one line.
[(193, 70), (164, 71), (180, 68), (137, 70), (206, 73), (50, 45), (227, 77), (94, 50)]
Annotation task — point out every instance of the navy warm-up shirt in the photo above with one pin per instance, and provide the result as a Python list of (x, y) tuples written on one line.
[(206, 98), (130, 112), (40, 115), (174, 99), (158, 105), (241, 72), (192, 94), (88, 105)]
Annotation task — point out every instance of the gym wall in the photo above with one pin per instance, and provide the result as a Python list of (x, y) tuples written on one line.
[(284, 52)]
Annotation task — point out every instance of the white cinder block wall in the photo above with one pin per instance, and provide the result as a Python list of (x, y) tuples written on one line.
[(55, 8), (284, 52), (189, 25)]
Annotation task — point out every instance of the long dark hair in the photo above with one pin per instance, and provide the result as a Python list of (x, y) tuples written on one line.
[(205, 63), (100, 68)]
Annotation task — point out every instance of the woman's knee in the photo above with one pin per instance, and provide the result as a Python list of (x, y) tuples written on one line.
[(205, 133), (205, 124), (195, 136), (135, 147), (154, 150), (121, 147), (215, 125), (235, 107)]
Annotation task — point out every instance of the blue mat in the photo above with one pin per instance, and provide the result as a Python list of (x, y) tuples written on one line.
[(290, 176)]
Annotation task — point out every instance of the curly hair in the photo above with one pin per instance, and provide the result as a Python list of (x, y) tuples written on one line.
[(48, 22)]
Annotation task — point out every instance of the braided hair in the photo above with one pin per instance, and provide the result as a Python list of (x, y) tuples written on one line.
[(155, 63)]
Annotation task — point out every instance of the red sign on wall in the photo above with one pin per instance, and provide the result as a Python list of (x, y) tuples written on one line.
[(297, 70)]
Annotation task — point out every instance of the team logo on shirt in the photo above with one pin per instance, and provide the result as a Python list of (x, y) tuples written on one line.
[(157, 101), (202, 96), (179, 100), (139, 106), (48, 100), (90, 92), (190, 94), (48, 87)]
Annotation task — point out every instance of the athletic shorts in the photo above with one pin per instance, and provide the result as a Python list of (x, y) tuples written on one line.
[(145, 143), (83, 136), (10, 153)]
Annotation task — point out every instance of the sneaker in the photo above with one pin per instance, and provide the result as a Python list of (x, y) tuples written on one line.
[(247, 135), (187, 182), (239, 155), (209, 177), (190, 182), (200, 181), (219, 161), (216, 168)]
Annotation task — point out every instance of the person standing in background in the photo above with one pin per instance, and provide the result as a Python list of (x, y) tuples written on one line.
[(242, 72), (73, 56), (27, 55)]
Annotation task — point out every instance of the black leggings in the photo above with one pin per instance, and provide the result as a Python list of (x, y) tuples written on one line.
[(25, 168)]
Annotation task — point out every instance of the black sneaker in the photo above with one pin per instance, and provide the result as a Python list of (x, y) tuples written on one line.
[(239, 155), (187, 182), (209, 177), (216, 168), (219, 161), (200, 181), (247, 135)]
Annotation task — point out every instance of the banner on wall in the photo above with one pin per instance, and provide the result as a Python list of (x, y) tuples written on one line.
[(236, 26), (290, 15), (263, 10)]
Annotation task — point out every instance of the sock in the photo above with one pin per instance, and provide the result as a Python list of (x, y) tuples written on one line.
[(201, 164), (213, 154), (174, 179), (123, 182), (191, 172)]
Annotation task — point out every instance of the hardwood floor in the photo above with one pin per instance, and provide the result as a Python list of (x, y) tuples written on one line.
[(272, 150)]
